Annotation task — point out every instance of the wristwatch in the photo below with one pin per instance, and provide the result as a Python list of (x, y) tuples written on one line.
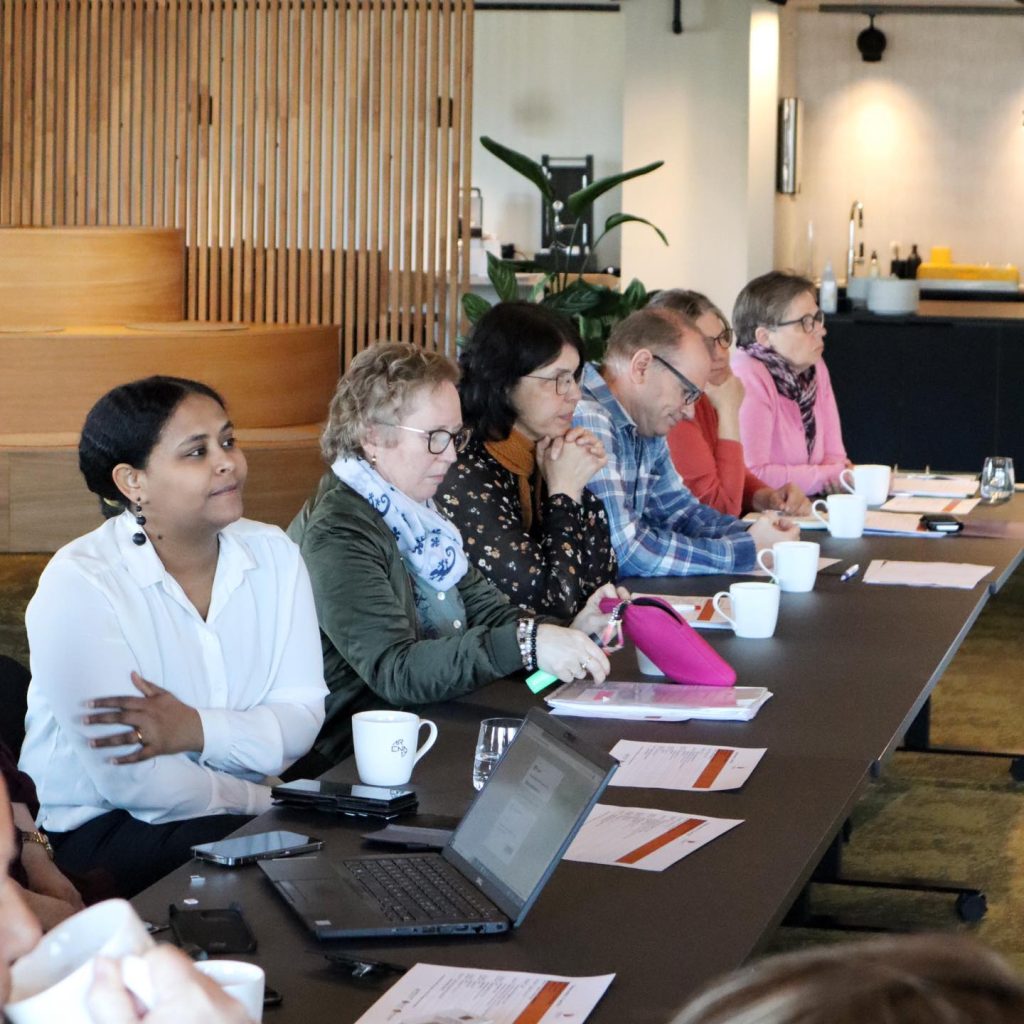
[(41, 838)]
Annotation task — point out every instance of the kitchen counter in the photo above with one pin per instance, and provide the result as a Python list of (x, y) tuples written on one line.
[(946, 309)]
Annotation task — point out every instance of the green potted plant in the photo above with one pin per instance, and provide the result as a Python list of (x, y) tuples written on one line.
[(594, 308)]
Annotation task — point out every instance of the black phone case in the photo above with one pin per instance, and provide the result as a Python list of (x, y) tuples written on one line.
[(212, 929)]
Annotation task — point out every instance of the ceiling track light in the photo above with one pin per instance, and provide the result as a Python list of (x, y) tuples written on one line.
[(871, 42)]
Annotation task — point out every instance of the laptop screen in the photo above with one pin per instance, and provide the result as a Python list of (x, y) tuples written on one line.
[(538, 795)]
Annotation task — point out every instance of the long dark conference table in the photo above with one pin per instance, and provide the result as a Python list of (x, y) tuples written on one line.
[(850, 665)]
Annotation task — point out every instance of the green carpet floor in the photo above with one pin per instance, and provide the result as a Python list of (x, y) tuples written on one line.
[(951, 818)]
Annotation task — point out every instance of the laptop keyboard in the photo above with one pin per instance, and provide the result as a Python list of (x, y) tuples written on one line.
[(420, 889)]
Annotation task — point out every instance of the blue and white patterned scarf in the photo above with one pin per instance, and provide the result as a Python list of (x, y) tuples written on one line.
[(429, 543)]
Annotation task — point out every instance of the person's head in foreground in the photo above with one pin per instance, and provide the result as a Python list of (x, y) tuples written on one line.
[(779, 312), (657, 366), (906, 979), (521, 369), (708, 319), (164, 449), (398, 409)]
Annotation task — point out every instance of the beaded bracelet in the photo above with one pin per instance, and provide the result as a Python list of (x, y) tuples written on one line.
[(526, 636)]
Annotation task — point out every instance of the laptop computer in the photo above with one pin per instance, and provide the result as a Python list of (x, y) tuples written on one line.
[(494, 866)]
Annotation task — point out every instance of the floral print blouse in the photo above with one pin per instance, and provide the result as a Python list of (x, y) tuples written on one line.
[(552, 568)]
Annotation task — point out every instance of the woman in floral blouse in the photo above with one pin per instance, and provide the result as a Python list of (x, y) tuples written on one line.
[(518, 492)]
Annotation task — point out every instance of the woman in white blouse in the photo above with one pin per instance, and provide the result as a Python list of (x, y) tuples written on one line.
[(175, 651)]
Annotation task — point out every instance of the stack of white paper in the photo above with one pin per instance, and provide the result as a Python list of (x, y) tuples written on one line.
[(932, 506), (961, 575), (928, 486), (659, 702)]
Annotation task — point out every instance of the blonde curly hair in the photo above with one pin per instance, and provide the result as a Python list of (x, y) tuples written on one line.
[(378, 386)]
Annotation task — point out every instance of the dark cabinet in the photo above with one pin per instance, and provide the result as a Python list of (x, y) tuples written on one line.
[(920, 391)]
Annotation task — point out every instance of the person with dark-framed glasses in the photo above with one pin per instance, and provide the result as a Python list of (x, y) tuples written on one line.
[(789, 421), (518, 493), (655, 369), (405, 617), (707, 449)]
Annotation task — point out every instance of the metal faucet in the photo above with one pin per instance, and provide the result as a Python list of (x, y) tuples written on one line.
[(852, 255)]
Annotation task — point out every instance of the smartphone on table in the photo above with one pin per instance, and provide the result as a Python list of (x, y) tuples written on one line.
[(260, 846)]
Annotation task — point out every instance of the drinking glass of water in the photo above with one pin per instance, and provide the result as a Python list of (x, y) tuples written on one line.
[(495, 735), (997, 480)]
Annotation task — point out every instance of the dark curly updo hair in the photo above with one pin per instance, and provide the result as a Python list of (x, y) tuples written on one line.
[(509, 341), (124, 426)]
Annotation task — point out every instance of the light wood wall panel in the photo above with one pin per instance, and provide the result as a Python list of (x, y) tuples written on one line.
[(315, 152)]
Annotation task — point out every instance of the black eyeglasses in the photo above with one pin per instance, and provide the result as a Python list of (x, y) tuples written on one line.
[(723, 340), (808, 321), (563, 380), (691, 393), (438, 440)]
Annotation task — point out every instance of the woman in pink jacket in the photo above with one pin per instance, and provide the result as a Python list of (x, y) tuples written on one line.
[(789, 421)]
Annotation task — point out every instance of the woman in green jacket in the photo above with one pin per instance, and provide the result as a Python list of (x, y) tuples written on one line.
[(404, 618)]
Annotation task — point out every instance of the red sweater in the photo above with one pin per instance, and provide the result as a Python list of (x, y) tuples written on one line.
[(712, 468)]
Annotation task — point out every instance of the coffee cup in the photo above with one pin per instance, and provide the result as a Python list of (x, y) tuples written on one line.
[(240, 980), (846, 514), (870, 482), (50, 983), (646, 666), (754, 607), (794, 564), (385, 744)]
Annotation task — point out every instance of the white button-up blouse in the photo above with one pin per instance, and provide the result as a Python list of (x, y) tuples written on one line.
[(253, 670)]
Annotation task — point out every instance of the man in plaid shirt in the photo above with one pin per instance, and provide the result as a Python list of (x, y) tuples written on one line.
[(654, 370)]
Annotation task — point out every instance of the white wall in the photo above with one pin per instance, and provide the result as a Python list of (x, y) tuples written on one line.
[(703, 101), (930, 139), (546, 83)]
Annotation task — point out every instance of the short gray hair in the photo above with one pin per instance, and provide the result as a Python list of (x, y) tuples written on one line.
[(378, 386), (764, 301), (692, 305), (656, 328)]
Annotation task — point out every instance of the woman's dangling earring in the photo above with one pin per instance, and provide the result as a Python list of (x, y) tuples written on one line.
[(140, 537)]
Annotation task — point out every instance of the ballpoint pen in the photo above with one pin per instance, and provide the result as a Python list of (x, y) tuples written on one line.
[(849, 573)]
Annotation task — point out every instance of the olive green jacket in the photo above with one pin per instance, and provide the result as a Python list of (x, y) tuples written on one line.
[(374, 653)]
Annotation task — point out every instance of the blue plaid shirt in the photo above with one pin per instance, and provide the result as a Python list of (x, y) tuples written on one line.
[(658, 527)]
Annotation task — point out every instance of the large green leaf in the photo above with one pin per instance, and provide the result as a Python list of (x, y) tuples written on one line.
[(634, 297), (538, 290), (503, 277), (521, 163), (474, 306), (578, 297), (616, 219), (580, 201)]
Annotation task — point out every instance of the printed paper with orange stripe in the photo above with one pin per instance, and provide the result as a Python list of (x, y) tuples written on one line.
[(683, 766), (643, 837)]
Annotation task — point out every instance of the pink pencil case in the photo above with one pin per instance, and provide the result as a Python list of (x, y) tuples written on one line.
[(661, 633)]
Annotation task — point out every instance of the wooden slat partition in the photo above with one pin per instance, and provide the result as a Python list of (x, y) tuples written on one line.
[(315, 152)]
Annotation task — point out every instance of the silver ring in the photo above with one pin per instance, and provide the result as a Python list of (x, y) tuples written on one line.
[(584, 664)]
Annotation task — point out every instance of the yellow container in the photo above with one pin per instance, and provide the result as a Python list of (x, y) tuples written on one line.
[(941, 267)]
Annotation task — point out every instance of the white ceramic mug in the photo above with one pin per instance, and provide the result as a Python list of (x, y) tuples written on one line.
[(755, 608), (846, 514), (794, 564), (385, 743), (646, 666), (870, 482), (50, 983), (242, 981)]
